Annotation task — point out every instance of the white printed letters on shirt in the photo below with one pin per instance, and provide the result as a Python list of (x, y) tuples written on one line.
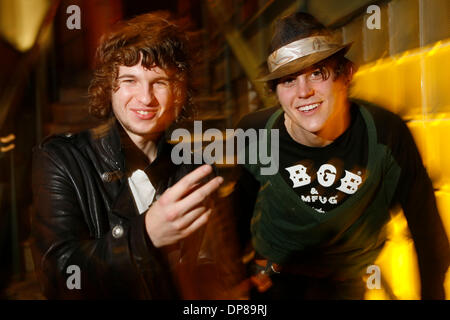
[(326, 175)]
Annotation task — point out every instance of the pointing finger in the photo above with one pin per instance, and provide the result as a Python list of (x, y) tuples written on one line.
[(196, 197), (177, 191)]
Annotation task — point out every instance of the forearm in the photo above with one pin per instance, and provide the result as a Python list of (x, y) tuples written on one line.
[(429, 237)]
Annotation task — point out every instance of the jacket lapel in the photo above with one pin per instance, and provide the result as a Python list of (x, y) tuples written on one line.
[(107, 143), (124, 204)]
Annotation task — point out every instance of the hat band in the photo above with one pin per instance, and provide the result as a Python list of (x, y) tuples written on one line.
[(298, 49)]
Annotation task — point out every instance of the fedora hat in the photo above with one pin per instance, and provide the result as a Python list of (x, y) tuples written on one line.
[(299, 41)]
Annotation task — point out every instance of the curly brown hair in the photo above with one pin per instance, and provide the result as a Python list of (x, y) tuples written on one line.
[(158, 41)]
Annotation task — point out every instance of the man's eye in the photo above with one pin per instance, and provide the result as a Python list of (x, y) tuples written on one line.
[(161, 84), (128, 81), (316, 75), (288, 82)]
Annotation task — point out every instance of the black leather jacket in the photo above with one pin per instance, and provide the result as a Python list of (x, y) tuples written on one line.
[(85, 215)]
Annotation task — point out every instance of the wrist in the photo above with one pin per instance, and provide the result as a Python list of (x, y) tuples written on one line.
[(150, 230)]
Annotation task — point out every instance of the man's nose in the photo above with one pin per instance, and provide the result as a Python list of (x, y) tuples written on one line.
[(304, 89), (146, 95)]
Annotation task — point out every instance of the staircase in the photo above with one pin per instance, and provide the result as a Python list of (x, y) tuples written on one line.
[(71, 112)]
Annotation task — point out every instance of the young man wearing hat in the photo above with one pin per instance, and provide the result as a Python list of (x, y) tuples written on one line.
[(319, 223)]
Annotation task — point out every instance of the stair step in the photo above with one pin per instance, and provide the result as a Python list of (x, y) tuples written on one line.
[(72, 113), (57, 128), (73, 95)]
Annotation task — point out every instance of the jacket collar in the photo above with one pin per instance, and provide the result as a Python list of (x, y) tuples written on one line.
[(106, 141), (111, 143), (110, 140)]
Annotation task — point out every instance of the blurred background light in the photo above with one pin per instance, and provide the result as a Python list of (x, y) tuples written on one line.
[(20, 21)]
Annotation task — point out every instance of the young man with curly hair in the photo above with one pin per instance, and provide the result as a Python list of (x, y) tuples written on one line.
[(109, 202)]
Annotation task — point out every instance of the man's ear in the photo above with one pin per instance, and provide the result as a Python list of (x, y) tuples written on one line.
[(351, 70)]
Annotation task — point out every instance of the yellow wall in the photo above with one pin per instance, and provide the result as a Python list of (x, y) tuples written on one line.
[(414, 85)]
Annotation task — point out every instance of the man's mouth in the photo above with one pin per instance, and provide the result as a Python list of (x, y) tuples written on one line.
[(309, 107), (145, 114)]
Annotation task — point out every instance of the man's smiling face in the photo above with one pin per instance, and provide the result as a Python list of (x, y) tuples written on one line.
[(313, 98), (143, 101)]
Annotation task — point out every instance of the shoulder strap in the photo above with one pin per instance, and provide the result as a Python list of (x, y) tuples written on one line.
[(274, 117)]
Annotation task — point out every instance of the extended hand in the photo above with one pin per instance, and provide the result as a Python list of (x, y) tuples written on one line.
[(181, 209)]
